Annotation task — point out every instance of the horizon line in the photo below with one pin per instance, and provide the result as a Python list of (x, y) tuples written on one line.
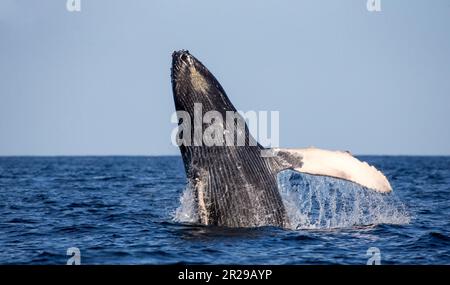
[(156, 155)]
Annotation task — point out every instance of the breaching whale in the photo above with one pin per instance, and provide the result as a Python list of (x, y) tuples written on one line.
[(235, 185)]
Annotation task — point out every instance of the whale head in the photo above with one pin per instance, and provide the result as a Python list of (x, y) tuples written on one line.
[(193, 83), (199, 94)]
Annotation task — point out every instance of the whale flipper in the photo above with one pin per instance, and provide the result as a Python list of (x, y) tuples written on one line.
[(338, 164)]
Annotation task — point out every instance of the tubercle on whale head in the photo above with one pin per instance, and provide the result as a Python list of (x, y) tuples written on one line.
[(193, 83), (180, 59), (186, 68)]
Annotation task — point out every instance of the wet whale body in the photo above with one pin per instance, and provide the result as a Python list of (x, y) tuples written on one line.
[(235, 185)]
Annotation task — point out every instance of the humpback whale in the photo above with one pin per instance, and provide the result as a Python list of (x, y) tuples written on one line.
[(236, 185)]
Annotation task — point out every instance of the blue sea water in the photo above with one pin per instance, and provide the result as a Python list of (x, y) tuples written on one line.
[(136, 210)]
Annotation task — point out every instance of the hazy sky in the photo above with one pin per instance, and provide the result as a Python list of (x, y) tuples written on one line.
[(98, 81)]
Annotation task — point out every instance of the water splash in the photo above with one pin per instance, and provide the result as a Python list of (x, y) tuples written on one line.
[(320, 202), (187, 212)]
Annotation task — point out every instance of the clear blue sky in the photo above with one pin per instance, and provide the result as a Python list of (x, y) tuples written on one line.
[(97, 81)]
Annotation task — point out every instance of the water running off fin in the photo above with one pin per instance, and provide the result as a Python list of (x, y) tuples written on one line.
[(321, 202)]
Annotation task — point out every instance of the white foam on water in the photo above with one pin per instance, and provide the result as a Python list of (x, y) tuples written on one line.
[(320, 202)]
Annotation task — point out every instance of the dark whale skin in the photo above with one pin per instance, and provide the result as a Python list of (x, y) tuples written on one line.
[(234, 185)]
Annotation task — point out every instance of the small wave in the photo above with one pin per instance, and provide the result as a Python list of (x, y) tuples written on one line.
[(113, 178), (45, 257), (300, 238), (21, 221), (76, 228), (433, 239), (440, 237)]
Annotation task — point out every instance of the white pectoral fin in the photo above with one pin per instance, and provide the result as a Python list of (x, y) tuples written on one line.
[(338, 164)]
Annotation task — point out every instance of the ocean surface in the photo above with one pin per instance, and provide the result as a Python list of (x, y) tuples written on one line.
[(138, 210)]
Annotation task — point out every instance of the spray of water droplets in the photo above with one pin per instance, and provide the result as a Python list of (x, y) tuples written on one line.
[(187, 211), (320, 202)]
